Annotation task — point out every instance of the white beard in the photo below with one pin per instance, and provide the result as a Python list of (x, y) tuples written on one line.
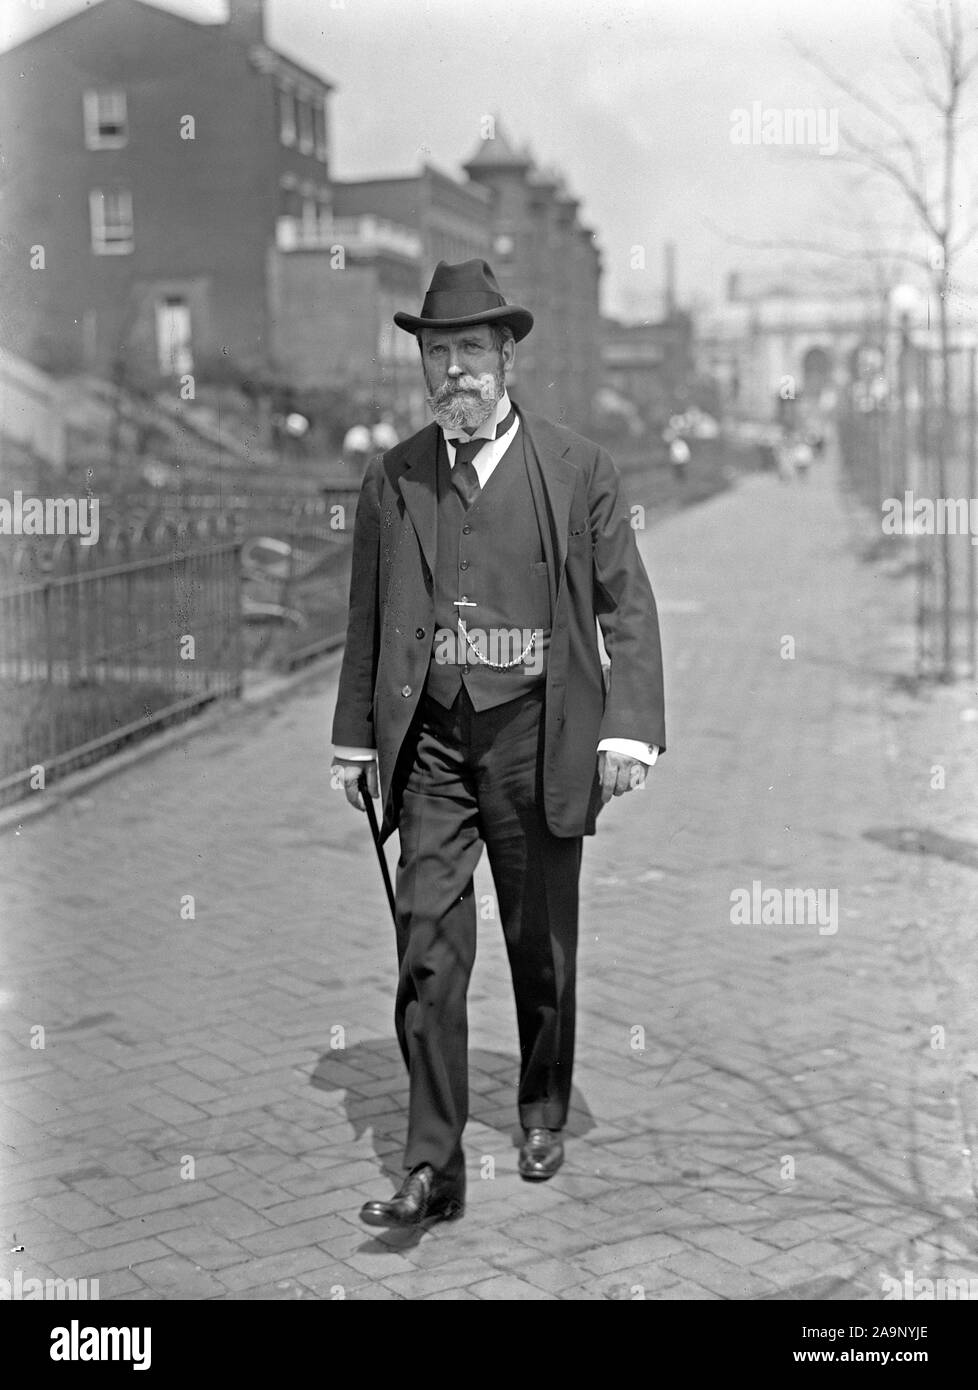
[(470, 406)]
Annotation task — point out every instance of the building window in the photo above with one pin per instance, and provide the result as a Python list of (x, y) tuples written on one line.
[(325, 213), (286, 115), (289, 213), (305, 124), (319, 127), (173, 344), (106, 126), (310, 212), (288, 197), (111, 218)]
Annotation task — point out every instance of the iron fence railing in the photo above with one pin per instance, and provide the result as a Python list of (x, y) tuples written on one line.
[(175, 598), (95, 656), (910, 453), (251, 511)]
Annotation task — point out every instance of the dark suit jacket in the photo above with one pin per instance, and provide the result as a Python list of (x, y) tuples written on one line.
[(595, 572)]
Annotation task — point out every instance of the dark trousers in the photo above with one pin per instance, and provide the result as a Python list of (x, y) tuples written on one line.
[(476, 779)]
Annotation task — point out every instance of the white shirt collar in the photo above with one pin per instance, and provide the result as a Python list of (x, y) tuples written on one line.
[(487, 430)]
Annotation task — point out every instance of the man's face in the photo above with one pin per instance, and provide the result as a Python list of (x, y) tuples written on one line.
[(465, 374)]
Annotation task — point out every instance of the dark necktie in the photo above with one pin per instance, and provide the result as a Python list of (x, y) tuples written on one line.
[(465, 480)]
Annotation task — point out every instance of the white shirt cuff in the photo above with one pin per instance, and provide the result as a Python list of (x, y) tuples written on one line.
[(355, 755), (643, 752)]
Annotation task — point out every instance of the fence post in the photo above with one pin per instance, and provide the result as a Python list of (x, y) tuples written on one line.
[(942, 541), (236, 604), (922, 557), (901, 453), (881, 418), (49, 663), (972, 619)]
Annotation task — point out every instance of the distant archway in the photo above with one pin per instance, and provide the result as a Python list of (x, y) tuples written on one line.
[(816, 371)]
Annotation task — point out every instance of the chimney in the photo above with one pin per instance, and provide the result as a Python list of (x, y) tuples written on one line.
[(670, 278), (247, 19)]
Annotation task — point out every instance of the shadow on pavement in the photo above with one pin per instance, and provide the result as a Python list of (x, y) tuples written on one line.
[(374, 1080), (373, 1076)]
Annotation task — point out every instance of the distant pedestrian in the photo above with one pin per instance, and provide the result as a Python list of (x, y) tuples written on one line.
[(357, 449), (383, 436), (679, 456), (802, 457)]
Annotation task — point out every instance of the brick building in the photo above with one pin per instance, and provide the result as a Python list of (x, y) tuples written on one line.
[(651, 364), (452, 219), (335, 297), (154, 165), (170, 209), (546, 259)]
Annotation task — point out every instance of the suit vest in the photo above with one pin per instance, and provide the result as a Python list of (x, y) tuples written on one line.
[(490, 556)]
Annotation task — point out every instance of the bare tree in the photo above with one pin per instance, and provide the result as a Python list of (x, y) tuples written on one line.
[(898, 154)]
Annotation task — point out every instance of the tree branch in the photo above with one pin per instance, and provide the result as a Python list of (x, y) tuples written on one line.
[(862, 254)]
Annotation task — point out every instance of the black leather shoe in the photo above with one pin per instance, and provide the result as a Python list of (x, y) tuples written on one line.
[(424, 1195), (541, 1154)]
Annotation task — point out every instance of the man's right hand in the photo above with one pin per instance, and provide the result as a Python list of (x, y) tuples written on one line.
[(350, 773)]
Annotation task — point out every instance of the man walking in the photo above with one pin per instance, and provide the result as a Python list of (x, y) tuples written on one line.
[(487, 547)]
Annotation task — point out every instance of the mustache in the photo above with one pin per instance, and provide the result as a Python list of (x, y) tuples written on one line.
[(465, 385)]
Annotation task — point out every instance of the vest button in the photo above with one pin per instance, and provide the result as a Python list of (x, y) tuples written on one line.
[(420, 633), (466, 529), (405, 691), (463, 565)]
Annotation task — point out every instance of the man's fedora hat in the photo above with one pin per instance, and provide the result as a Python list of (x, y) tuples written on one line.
[(463, 294)]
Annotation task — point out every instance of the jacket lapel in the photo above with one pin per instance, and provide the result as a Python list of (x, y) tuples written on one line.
[(552, 484), (420, 491)]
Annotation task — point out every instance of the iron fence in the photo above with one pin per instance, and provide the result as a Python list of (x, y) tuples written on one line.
[(296, 555), (179, 595), (910, 451), (97, 655)]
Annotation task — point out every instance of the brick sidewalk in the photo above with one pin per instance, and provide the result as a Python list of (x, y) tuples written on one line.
[(759, 1111)]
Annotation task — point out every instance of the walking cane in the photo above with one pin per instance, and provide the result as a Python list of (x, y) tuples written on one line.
[(368, 802)]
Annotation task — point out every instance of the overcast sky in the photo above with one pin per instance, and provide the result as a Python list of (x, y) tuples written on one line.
[(631, 99)]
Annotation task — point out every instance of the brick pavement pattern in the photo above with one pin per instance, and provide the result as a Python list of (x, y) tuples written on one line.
[(760, 1111)]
